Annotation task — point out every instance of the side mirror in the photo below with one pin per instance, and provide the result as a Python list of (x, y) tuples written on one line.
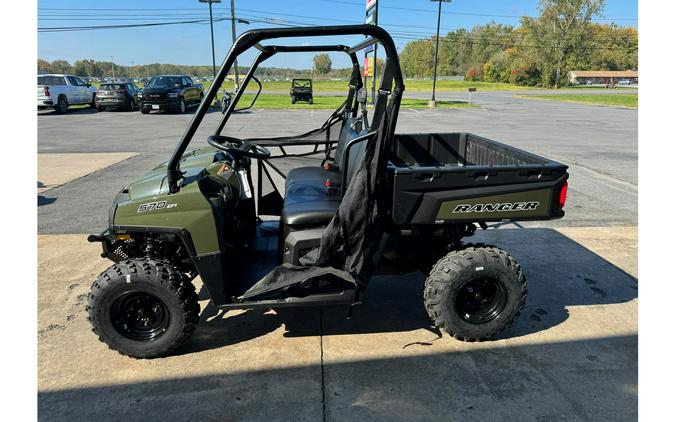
[(88, 85)]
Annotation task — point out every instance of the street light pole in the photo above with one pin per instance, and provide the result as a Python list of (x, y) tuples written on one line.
[(234, 37), (213, 46), (438, 30)]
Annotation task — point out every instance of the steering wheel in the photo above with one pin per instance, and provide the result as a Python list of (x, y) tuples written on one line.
[(238, 148)]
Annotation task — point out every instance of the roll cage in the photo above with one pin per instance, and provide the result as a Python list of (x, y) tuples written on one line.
[(386, 105)]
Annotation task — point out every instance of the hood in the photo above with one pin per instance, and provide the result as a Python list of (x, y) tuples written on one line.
[(154, 182), (160, 90)]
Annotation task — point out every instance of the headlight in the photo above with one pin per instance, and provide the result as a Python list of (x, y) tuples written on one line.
[(140, 95), (173, 94)]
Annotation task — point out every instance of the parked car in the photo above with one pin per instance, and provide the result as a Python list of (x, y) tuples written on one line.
[(59, 91), (170, 92), (118, 95), (624, 82)]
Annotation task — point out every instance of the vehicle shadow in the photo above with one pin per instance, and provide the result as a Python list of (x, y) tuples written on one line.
[(560, 273), (78, 111), (188, 112), (580, 379), (43, 200)]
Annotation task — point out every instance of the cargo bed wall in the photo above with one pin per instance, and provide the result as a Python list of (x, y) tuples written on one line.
[(456, 149), (460, 177)]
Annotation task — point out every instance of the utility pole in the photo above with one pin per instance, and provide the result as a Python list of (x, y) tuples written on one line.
[(432, 103), (112, 64), (234, 37), (213, 46)]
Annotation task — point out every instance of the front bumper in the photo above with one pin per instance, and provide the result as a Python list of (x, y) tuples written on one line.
[(159, 104), (106, 240)]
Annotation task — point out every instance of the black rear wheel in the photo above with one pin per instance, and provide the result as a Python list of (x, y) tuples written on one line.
[(143, 308), (475, 292), (61, 105)]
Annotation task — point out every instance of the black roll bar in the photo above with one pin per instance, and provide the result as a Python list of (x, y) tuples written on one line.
[(252, 39)]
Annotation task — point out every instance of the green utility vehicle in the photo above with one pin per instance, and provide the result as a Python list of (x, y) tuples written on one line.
[(380, 202), (301, 90)]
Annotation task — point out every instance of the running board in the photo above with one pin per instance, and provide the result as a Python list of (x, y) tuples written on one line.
[(345, 297)]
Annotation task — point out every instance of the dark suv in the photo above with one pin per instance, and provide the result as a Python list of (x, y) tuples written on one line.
[(170, 92), (119, 95)]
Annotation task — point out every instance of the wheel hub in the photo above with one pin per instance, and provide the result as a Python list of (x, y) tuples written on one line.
[(481, 300), (139, 316)]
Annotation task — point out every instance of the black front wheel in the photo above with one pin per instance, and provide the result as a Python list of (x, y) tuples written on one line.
[(475, 292), (143, 308)]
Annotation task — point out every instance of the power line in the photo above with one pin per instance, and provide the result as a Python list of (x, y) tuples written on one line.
[(410, 9), (468, 38), (460, 13)]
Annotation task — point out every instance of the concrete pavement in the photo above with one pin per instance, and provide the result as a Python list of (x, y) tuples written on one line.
[(572, 355)]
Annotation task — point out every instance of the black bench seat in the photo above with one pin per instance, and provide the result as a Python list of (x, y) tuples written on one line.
[(307, 201)]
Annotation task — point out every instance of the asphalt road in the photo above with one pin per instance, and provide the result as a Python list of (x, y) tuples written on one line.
[(599, 144)]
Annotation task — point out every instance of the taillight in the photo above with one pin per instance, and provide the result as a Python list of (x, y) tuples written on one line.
[(46, 91), (563, 195)]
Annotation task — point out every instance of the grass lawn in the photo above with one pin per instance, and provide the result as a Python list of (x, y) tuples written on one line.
[(619, 100), (411, 85), (272, 101)]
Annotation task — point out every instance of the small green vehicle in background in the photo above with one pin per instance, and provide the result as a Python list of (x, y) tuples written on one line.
[(381, 202), (301, 90)]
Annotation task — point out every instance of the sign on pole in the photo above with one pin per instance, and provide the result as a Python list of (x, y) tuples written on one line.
[(371, 16), (368, 67)]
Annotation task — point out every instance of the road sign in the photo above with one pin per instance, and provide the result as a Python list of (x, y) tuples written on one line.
[(371, 16)]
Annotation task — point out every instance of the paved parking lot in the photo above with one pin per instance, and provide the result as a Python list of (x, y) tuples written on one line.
[(572, 355)]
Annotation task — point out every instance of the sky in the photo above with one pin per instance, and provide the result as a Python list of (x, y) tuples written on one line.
[(190, 44)]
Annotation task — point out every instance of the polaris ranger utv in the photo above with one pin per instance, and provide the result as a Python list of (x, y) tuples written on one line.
[(380, 202), (301, 90)]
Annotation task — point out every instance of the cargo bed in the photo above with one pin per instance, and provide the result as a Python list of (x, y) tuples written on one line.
[(439, 178)]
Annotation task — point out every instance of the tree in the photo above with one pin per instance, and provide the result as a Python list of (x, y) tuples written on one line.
[(44, 66), (560, 31), (322, 64), (60, 66)]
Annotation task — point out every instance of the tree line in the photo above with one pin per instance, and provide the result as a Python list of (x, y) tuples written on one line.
[(540, 51)]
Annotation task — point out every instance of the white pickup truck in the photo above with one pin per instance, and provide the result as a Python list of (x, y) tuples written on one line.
[(60, 91)]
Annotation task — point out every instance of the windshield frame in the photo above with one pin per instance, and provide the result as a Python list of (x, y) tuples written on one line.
[(390, 90)]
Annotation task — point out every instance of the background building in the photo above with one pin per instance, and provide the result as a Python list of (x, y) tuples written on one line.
[(603, 77)]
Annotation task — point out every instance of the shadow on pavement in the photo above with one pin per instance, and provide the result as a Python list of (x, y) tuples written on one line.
[(592, 379), (43, 200), (51, 112), (560, 273)]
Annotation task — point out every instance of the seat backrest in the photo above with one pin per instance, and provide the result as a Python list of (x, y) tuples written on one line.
[(351, 127), (356, 154)]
